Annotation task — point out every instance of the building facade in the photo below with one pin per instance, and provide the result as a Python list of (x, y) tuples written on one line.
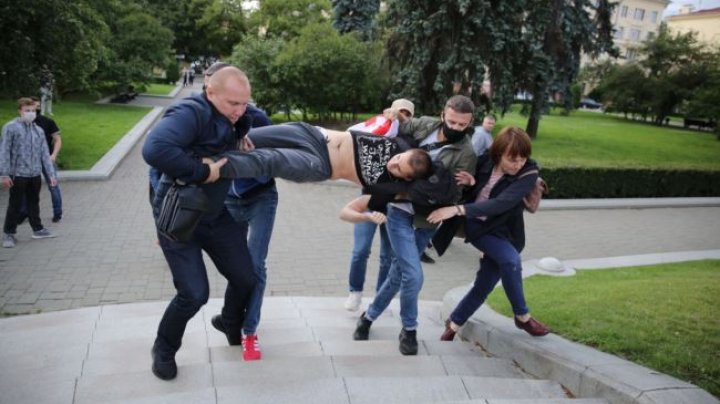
[(705, 22), (636, 21)]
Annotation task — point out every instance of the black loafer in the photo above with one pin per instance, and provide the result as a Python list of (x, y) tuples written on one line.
[(362, 331), (233, 338)]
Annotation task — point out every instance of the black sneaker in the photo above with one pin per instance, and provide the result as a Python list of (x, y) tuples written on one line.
[(362, 331), (408, 342), (163, 366), (56, 218), (426, 258), (233, 338)]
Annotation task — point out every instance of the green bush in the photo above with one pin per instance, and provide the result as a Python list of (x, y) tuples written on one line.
[(573, 182)]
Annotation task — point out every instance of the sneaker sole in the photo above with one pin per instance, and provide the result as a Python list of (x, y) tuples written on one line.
[(41, 237)]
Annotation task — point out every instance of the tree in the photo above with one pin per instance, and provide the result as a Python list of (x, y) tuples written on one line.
[(675, 65), (355, 16), (139, 44), (444, 48), (70, 46), (324, 72), (625, 90), (285, 18), (202, 28), (555, 35), (435, 48), (255, 56)]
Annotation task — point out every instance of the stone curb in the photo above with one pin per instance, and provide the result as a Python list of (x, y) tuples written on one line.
[(104, 168), (585, 371)]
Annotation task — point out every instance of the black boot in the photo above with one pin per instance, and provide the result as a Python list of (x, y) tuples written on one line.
[(163, 366), (362, 331), (234, 337), (408, 342)]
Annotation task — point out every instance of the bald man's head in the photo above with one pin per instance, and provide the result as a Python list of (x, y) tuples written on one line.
[(229, 91)]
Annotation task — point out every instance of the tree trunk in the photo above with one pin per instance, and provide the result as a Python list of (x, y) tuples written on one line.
[(536, 105)]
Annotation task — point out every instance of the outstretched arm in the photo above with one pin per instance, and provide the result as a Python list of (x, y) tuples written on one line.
[(356, 211)]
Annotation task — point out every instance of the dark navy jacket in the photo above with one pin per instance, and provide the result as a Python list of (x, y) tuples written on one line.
[(188, 131), (504, 209)]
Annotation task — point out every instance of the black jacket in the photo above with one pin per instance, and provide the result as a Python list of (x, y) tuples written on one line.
[(504, 209)]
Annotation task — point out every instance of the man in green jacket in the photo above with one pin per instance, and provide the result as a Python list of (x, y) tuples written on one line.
[(446, 139)]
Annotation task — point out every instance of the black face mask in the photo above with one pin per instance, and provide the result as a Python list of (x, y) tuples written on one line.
[(452, 135)]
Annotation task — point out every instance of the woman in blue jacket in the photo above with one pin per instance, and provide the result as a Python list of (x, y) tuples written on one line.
[(493, 221)]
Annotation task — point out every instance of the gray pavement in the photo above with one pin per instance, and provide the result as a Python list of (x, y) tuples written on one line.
[(105, 253)]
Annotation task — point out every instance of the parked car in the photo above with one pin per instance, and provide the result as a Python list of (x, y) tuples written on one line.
[(589, 103)]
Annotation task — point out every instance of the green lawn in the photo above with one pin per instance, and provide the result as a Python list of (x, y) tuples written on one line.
[(660, 316), (158, 89), (591, 139), (88, 130)]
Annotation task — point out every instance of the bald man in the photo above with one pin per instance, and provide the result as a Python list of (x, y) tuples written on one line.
[(201, 125)]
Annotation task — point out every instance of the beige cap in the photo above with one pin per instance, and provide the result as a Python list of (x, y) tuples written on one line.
[(402, 103)]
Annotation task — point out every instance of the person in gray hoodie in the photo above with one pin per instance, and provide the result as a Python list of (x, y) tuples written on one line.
[(23, 156)]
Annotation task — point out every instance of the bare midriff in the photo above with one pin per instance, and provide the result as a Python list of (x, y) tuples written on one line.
[(342, 160)]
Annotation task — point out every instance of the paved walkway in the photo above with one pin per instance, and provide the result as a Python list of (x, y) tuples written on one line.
[(105, 251)]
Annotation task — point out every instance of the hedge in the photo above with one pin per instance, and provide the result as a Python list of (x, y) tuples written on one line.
[(572, 183)]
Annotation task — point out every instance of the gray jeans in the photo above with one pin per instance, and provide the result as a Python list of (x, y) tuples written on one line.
[(294, 151)]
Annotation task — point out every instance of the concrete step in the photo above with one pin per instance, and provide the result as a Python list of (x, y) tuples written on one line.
[(103, 355)]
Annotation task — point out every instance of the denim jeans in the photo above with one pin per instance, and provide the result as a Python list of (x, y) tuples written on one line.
[(224, 242), (364, 234), (405, 273), (500, 261), (256, 216)]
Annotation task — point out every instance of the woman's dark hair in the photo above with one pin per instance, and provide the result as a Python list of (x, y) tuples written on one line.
[(511, 140)]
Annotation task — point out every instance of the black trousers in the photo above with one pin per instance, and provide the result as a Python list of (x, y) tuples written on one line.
[(224, 241), (27, 188)]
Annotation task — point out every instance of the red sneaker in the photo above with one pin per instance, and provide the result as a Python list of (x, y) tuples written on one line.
[(251, 348)]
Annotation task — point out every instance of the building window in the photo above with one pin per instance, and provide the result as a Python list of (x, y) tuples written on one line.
[(619, 31), (653, 16), (623, 11), (634, 35), (639, 14)]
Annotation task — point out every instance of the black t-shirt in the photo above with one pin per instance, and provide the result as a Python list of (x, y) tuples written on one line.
[(372, 153), (49, 127)]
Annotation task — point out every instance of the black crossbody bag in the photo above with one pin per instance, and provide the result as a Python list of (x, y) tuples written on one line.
[(181, 211)]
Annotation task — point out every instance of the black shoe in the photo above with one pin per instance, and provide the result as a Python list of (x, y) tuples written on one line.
[(163, 366), (362, 331), (426, 258), (408, 342), (56, 218), (233, 338)]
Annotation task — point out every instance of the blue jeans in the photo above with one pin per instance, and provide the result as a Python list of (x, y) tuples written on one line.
[(405, 273), (256, 216), (224, 242), (364, 234), (500, 261)]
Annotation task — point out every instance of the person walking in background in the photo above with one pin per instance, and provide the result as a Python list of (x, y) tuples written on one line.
[(494, 224), (364, 231), (482, 138), (23, 157)]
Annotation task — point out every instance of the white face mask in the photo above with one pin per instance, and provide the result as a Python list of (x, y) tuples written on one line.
[(29, 116)]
